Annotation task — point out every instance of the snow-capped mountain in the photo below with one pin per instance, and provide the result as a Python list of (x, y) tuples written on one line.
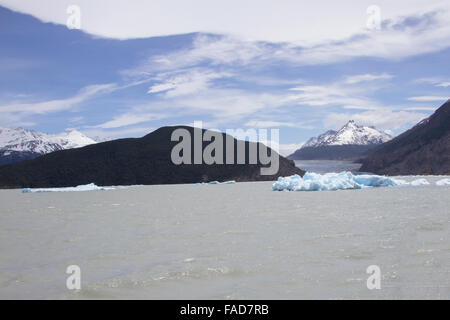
[(348, 143), (21, 144), (350, 134)]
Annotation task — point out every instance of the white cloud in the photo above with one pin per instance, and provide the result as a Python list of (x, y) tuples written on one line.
[(289, 148), (436, 81), (100, 134), (428, 98), (161, 87), (76, 119), (269, 124), (367, 77), (13, 120), (400, 38), (420, 108), (185, 82), (267, 20), (58, 104), (285, 149), (223, 104), (328, 94), (128, 119), (381, 119)]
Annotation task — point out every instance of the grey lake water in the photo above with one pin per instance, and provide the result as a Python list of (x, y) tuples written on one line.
[(237, 241)]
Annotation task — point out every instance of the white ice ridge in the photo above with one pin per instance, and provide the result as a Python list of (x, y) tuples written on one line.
[(337, 181), (85, 187)]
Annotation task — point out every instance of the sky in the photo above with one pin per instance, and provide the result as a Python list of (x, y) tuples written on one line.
[(301, 67)]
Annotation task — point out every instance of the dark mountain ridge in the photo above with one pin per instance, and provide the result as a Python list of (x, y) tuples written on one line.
[(423, 149), (145, 160), (344, 152)]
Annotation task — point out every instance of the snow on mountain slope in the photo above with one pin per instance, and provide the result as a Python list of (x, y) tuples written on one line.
[(350, 134), (24, 140), (72, 139), (322, 139)]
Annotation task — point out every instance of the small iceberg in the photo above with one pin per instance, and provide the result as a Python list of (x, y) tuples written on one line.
[(419, 182), (333, 181), (217, 182), (85, 187), (443, 182), (229, 182)]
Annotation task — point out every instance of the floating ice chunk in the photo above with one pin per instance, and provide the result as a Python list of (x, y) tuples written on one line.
[(419, 182), (443, 182), (229, 182), (217, 182), (369, 180), (85, 187), (333, 181)]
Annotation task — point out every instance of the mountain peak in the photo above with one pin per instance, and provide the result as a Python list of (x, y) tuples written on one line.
[(350, 134), (349, 124)]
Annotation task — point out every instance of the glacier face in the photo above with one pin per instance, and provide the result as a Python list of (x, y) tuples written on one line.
[(352, 134), (333, 181)]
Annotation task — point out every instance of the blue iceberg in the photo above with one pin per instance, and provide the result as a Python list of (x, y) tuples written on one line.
[(333, 181), (85, 187)]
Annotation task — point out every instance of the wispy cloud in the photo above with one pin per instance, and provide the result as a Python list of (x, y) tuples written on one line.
[(367, 77), (275, 124), (237, 81), (196, 80), (382, 119), (185, 82), (18, 113), (114, 133), (128, 119), (400, 38), (328, 94), (436, 81), (258, 19), (420, 108), (428, 98), (287, 149), (58, 104)]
